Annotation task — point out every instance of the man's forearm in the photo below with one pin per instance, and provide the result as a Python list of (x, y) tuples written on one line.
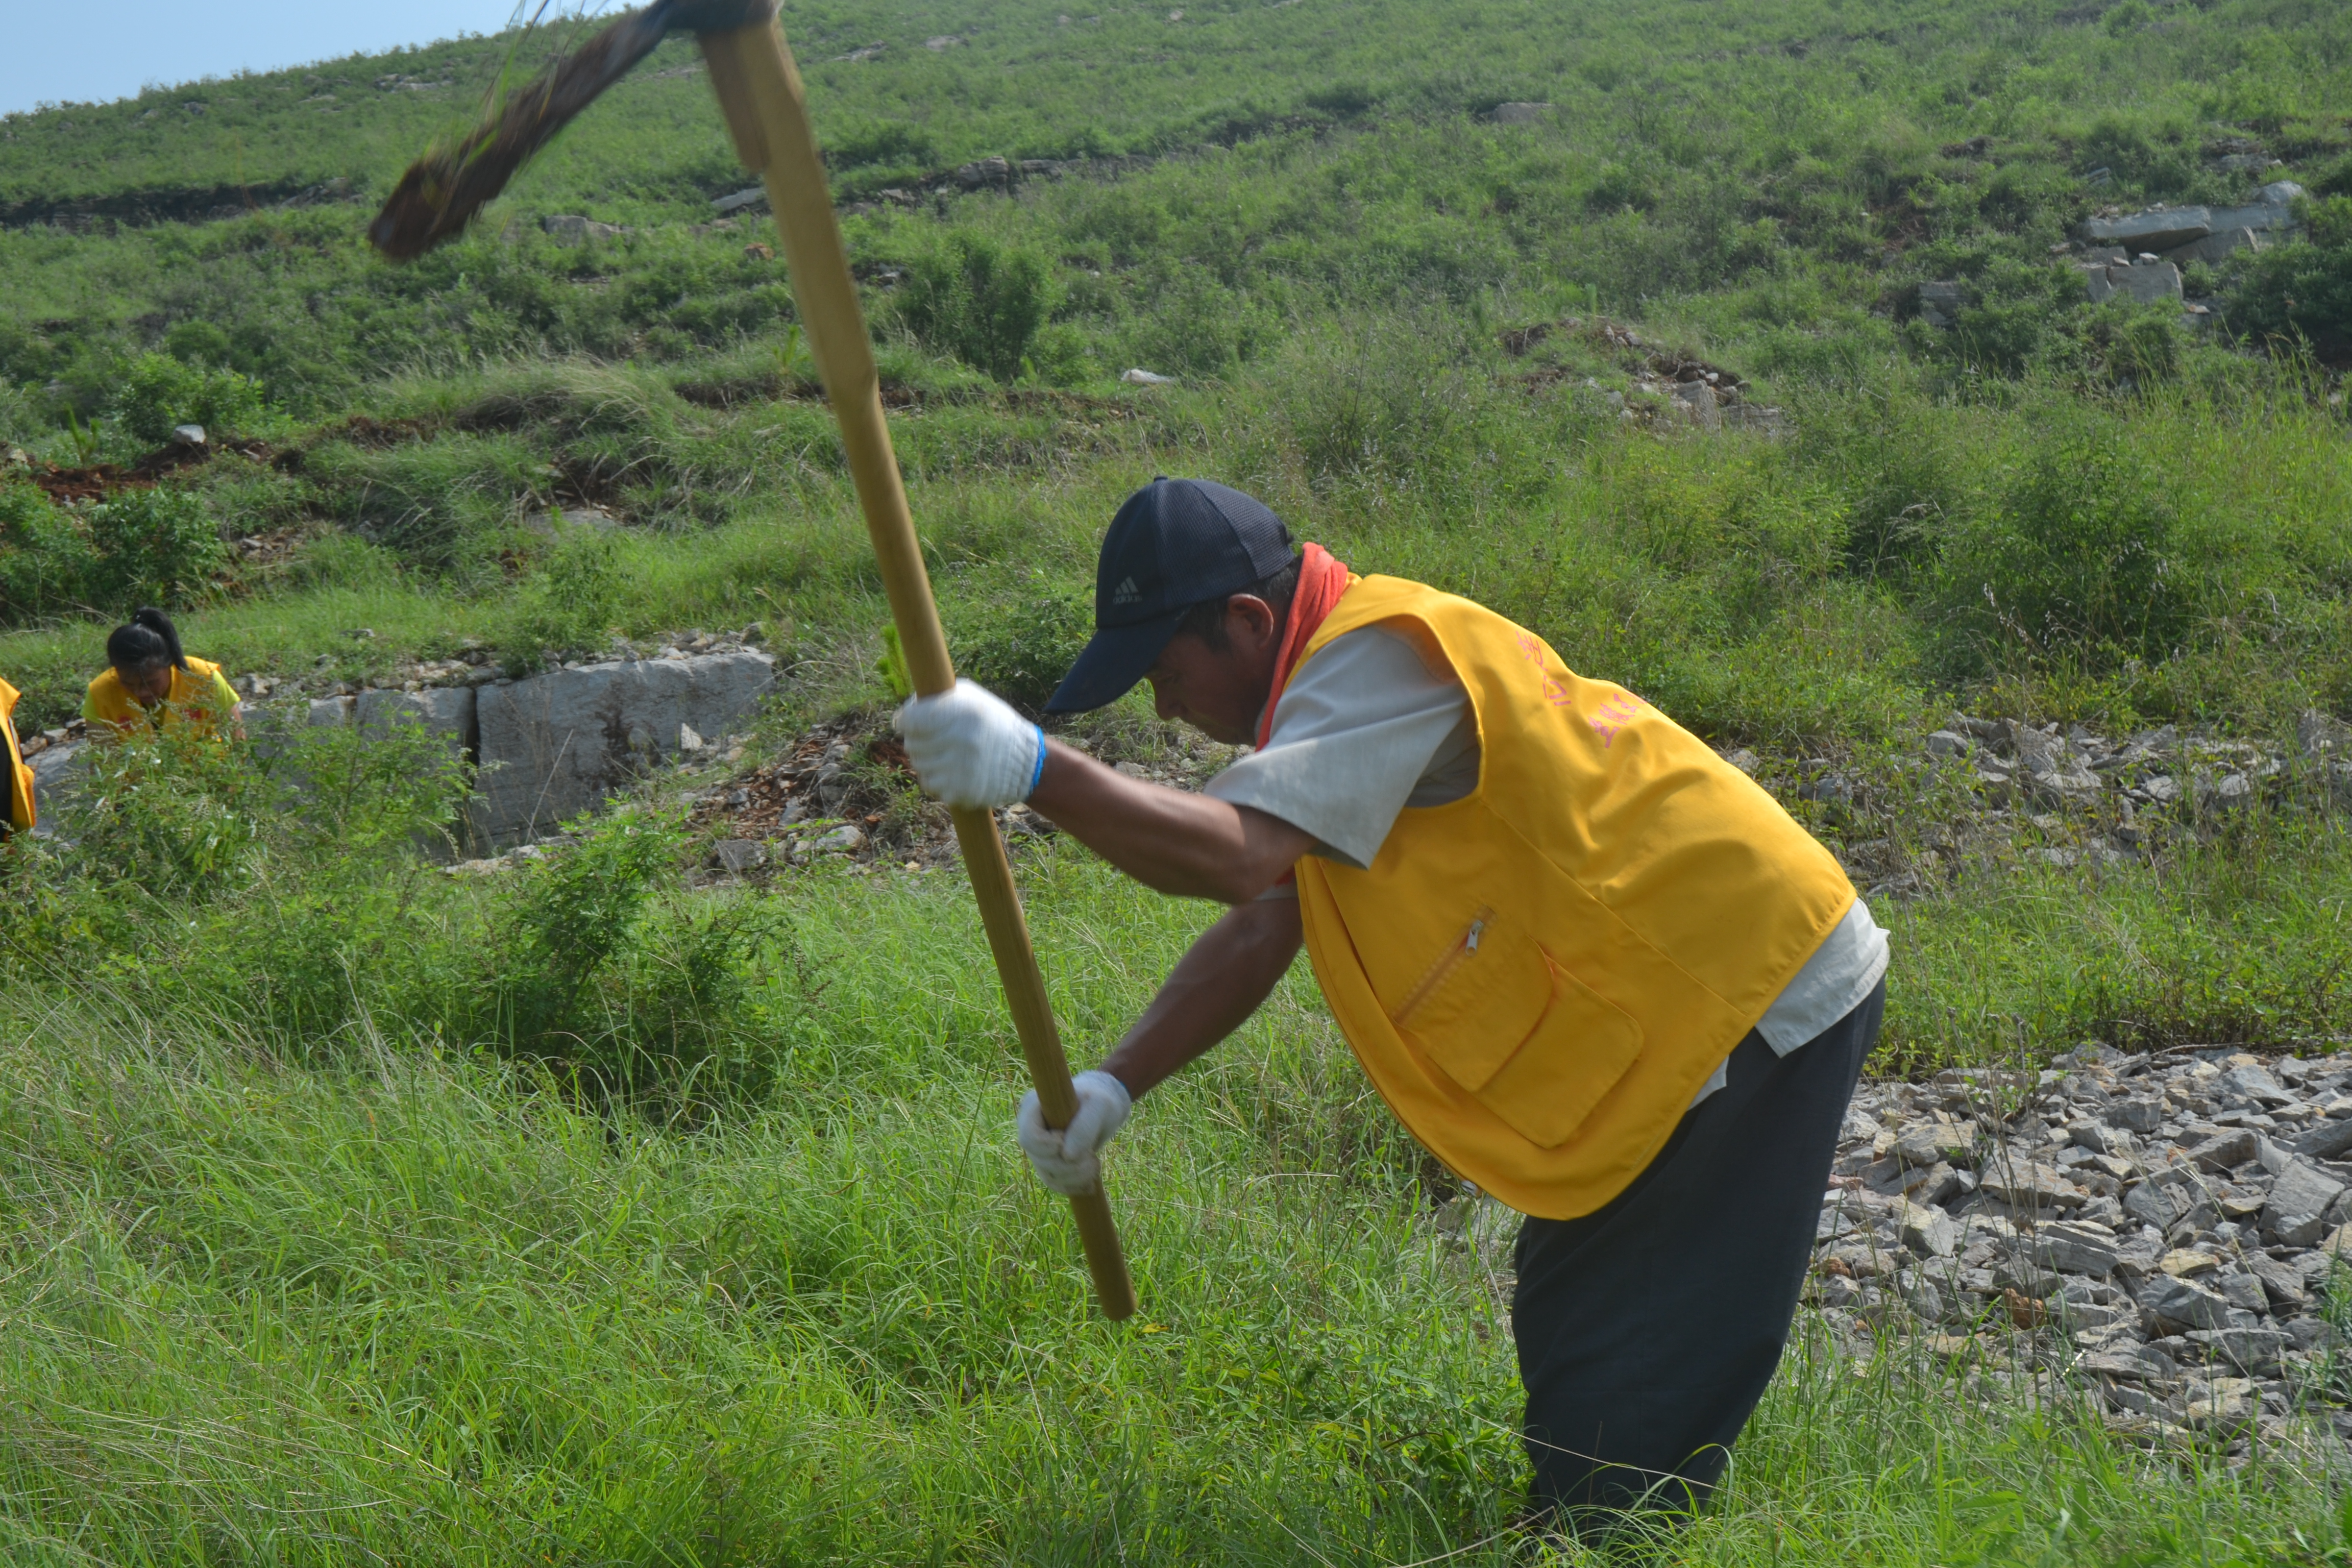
[(1193, 846), (1231, 968)]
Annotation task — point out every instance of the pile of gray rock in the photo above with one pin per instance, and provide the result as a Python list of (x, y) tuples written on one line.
[(2164, 1230), (2062, 795), (2044, 764), (2140, 256), (2178, 235)]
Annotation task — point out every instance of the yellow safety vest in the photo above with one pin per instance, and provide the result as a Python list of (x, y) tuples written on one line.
[(20, 777), (1538, 976)]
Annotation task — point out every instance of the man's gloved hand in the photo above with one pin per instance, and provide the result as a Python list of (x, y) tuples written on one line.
[(1070, 1161), (971, 749)]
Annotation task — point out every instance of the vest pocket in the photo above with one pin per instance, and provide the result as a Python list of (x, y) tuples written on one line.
[(1574, 1055), (1534, 1045)]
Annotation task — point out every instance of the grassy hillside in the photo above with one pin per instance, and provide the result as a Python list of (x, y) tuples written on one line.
[(353, 1211), (1736, 87)]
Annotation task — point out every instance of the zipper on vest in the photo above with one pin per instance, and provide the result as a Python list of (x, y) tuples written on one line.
[(1465, 946)]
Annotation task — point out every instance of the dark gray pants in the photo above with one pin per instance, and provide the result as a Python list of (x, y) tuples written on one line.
[(1648, 1329)]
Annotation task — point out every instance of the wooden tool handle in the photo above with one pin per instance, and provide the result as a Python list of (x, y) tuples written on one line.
[(767, 113)]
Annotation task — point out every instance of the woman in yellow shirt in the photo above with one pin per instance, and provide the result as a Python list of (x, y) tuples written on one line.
[(149, 677)]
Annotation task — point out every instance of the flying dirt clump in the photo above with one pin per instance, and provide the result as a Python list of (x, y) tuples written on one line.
[(442, 191)]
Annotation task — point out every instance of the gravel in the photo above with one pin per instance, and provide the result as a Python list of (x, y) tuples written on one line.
[(2164, 1265)]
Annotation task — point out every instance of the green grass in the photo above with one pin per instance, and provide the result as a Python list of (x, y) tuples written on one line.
[(398, 1303), (349, 1213)]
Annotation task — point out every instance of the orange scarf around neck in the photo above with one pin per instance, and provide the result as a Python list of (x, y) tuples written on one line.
[(1321, 579)]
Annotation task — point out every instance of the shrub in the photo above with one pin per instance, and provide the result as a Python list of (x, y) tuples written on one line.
[(45, 560), (1021, 652), (158, 393), (573, 604), (571, 914), (2303, 290), (2162, 165), (1392, 402), (980, 302), (2077, 558), (1617, 189), (154, 546), (2015, 316), (197, 342), (368, 791), (178, 813), (586, 967), (893, 143)]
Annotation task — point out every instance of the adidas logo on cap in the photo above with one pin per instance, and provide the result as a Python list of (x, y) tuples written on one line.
[(1126, 593)]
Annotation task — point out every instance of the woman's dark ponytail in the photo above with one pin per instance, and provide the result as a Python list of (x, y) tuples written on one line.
[(156, 621), (150, 639)]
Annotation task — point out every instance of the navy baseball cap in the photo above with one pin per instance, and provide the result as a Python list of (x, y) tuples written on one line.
[(1174, 543)]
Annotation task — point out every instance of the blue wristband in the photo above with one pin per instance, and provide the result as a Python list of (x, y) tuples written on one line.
[(1037, 773)]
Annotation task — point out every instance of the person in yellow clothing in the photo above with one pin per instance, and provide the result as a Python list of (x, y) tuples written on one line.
[(148, 679), (1591, 966), (20, 777)]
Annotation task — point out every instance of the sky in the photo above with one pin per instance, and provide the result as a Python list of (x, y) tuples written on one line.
[(58, 51)]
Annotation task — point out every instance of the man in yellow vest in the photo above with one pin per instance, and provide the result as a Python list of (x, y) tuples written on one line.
[(1595, 968)]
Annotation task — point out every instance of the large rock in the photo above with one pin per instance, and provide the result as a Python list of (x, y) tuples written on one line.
[(2273, 213), (1928, 1231), (2182, 235), (556, 744), (2024, 1185), (2159, 229), (1926, 1144), (1696, 402), (448, 711), (2326, 1141), (2145, 282), (2298, 1200), (2172, 1304), (2074, 1248), (2250, 1087), (56, 779), (2214, 247)]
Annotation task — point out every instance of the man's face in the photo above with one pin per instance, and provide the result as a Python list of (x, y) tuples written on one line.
[(1220, 690), (148, 685)]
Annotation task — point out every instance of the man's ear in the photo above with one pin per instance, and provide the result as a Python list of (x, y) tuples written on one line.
[(1250, 620)]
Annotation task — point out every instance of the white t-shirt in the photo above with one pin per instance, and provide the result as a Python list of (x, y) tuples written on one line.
[(1366, 729)]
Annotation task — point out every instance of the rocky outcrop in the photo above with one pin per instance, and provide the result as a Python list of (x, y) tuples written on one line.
[(553, 745), (444, 710), (2143, 282), (557, 744), (2182, 235)]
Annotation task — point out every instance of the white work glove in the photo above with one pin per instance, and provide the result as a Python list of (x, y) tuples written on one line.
[(1070, 1161), (969, 748)]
